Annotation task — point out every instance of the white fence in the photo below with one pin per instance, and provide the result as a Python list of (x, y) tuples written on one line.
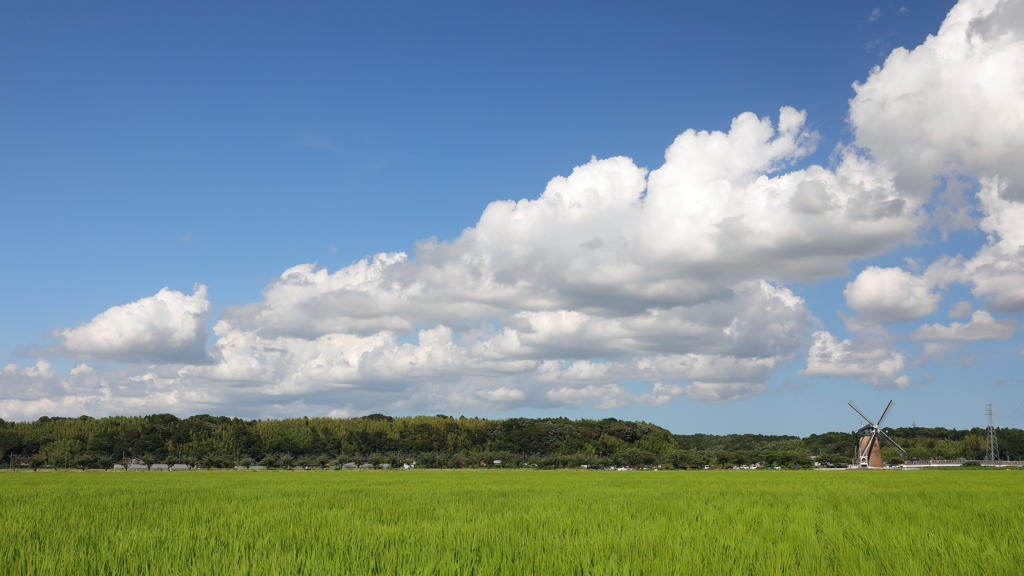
[(959, 462)]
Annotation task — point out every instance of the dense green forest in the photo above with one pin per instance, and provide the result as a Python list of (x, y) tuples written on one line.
[(443, 441)]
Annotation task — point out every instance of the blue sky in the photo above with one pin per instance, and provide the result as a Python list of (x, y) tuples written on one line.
[(146, 147)]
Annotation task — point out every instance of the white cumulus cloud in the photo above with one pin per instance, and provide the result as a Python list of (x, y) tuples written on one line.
[(996, 271), (167, 327), (953, 108), (611, 273), (887, 295), (954, 104), (829, 356), (961, 309), (614, 396), (981, 327)]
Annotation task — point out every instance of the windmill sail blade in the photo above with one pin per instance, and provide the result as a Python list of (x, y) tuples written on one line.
[(884, 413), (866, 419), (903, 452)]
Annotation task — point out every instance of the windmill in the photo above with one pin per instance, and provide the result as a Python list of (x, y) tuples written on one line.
[(869, 453)]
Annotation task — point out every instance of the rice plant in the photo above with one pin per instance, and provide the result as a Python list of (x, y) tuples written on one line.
[(511, 522)]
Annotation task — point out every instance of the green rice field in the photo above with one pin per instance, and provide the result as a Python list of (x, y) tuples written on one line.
[(512, 522)]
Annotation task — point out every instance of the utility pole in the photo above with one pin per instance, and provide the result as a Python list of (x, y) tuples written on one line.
[(993, 444)]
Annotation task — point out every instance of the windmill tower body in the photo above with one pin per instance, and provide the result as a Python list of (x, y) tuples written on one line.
[(869, 437), (869, 452)]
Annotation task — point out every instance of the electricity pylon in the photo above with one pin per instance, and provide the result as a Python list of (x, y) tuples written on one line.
[(993, 444)]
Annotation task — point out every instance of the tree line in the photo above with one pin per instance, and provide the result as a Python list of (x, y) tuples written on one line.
[(443, 441)]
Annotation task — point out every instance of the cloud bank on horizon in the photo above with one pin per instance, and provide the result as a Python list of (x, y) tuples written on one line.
[(675, 277)]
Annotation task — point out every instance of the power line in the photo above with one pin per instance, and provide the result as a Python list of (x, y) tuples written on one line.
[(1016, 415)]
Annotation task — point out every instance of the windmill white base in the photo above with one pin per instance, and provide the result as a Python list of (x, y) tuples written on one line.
[(869, 450)]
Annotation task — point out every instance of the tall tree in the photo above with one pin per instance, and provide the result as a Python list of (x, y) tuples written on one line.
[(36, 462)]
